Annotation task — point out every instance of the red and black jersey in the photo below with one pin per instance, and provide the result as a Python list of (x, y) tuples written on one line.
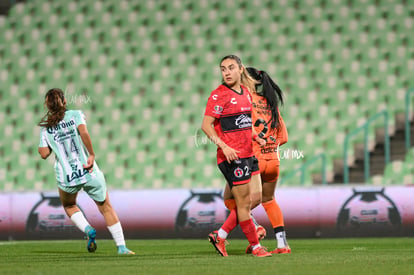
[(233, 123)]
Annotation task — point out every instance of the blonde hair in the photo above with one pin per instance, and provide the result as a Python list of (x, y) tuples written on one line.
[(248, 81)]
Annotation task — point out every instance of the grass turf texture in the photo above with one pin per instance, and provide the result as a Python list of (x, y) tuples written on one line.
[(309, 256)]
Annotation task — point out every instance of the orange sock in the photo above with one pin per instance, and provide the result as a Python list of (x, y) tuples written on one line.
[(274, 213), (230, 204)]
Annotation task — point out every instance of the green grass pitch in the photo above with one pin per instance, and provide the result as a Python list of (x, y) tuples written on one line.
[(309, 256)]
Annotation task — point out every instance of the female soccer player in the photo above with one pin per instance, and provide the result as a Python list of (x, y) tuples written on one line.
[(64, 132), (267, 96), (227, 122)]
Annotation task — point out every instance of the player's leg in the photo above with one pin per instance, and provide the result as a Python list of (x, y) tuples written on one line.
[(273, 210), (256, 196), (96, 189), (255, 190), (113, 224), (229, 201), (72, 210), (231, 221), (241, 194), (218, 237)]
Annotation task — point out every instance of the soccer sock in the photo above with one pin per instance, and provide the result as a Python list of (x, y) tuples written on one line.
[(254, 220), (276, 219), (222, 234), (274, 213), (230, 223), (79, 220), (249, 231), (280, 237), (117, 233)]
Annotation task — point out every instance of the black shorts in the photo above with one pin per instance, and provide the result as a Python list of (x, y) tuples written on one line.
[(239, 171)]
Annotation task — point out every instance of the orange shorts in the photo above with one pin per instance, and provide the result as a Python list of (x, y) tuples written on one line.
[(269, 170)]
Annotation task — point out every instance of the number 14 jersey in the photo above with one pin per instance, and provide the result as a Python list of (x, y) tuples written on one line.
[(70, 152)]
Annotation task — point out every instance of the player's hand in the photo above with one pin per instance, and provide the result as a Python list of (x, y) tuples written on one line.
[(90, 162), (230, 153), (260, 141)]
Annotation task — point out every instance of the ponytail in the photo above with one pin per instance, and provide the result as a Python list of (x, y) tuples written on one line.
[(270, 90), (55, 103)]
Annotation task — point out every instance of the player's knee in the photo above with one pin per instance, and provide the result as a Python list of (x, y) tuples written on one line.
[(256, 199), (266, 199), (244, 204), (230, 204)]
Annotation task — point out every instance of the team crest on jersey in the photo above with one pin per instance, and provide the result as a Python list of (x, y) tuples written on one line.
[(238, 172), (218, 109), (249, 98)]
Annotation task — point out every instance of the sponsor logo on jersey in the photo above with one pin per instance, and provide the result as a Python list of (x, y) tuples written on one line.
[(76, 174), (245, 109), (63, 135), (233, 100), (238, 172), (214, 97), (243, 121), (59, 126), (236, 122)]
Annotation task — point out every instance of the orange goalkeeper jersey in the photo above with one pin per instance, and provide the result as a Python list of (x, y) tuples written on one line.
[(261, 118)]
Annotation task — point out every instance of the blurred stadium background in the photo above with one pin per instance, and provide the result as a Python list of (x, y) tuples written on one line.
[(142, 71)]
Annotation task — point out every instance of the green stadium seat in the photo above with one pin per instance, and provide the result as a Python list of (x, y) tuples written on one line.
[(154, 64)]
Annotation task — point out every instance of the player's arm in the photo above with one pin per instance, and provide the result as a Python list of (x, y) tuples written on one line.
[(86, 139), (44, 152), (257, 139), (282, 134), (208, 129)]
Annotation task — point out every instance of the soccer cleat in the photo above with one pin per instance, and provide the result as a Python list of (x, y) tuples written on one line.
[(91, 235), (261, 232), (218, 243), (249, 249), (261, 252), (284, 250), (123, 250)]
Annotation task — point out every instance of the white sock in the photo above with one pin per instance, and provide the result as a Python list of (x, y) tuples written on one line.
[(222, 234), (255, 246), (281, 239), (117, 233), (79, 220)]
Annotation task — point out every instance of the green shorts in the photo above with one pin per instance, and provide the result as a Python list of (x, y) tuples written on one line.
[(95, 188)]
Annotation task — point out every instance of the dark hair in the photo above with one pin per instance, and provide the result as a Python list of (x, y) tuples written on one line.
[(234, 57), (54, 101), (271, 91)]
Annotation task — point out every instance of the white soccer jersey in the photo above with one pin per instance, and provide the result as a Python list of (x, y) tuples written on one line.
[(70, 152)]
